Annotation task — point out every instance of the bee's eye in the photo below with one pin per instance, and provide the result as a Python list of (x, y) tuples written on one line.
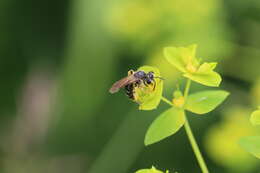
[(149, 81)]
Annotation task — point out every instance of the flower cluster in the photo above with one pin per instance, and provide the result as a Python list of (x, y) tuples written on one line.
[(149, 95), (183, 58), (171, 120)]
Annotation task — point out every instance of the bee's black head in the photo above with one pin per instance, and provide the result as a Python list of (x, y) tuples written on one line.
[(150, 75)]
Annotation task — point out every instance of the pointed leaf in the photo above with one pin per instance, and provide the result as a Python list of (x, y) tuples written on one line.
[(205, 101), (255, 117), (211, 79), (168, 123), (251, 144)]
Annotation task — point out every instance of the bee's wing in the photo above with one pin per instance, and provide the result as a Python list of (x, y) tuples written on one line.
[(121, 83)]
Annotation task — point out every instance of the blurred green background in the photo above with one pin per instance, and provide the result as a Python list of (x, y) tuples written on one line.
[(59, 58)]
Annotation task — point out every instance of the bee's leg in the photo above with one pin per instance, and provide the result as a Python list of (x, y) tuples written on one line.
[(145, 83), (154, 85), (130, 72), (127, 90), (127, 87)]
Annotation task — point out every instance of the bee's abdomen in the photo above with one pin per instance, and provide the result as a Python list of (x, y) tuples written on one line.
[(129, 90)]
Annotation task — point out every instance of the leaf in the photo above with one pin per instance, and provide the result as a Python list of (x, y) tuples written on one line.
[(207, 67), (168, 123), (152, 170), (255, 118), (179, 57), (151, 100), (251, 144), (205, 101), (212, 79)]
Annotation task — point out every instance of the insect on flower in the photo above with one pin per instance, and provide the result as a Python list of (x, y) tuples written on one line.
[(133, 80)]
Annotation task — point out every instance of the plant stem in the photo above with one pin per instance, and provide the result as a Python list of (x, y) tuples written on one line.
[(187, 88), (195, 147), (188, 130), (167, 101), (190, 135)]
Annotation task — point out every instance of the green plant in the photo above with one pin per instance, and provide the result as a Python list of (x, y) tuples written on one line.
[(252, 143), (220, 139), (171, 120), (152, 170)]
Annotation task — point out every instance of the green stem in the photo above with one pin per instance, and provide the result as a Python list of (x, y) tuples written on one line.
[(190, 135), (167, 101), (195, 147), (187, 88)]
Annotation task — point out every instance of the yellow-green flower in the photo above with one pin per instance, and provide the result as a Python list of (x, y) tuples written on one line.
[(183, 58), (149, 97), (152, 170), (178, 99)]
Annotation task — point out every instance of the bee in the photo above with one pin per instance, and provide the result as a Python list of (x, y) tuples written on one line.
[(133, 80)]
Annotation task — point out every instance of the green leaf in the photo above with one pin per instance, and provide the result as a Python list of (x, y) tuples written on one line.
[(149, 101), (168, 123), (255, 118), (205, 101), (207, 67), (211, 78), (179, 57), (152, 170), (251, 144)]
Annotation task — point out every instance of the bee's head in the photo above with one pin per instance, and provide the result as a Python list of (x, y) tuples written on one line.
[(149, 77)]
